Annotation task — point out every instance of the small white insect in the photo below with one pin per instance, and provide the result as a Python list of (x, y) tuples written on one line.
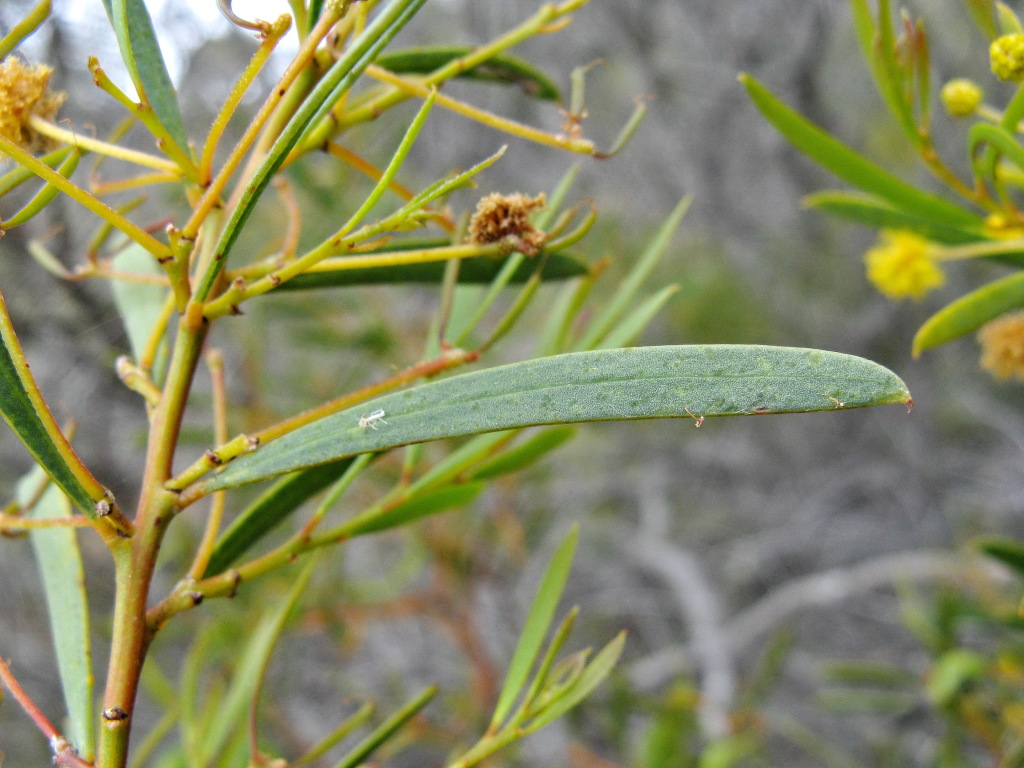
[(835, 400), (371, 421), (698, 420)]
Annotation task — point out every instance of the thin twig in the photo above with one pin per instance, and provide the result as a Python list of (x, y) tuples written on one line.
[(215, 364), (15, 523), (63, 753)]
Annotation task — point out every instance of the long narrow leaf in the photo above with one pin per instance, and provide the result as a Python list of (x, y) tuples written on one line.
[(878, 214), (889, 75), (998, 142), (557, 266), (850, 166), (25, 27), (554, 335), (623, 298), (424, 505), (395, 164), (983, 13), (328, 742), (387, 729), (141, 53), (499, 69), (24, 409), (607, 385), (13, 179), (139, 304), (968, 313), (1008, 551), (251, 668), (270, 510), (538, 621), (595, 673), (44, 196), (525, 454), (63, 578), (444, 186), (629, 329)]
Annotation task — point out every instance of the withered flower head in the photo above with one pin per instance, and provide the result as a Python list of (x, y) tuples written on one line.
[(499, 217), (23, 93), (1002, 346)]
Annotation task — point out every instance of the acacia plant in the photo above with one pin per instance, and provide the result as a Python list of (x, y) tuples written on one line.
[(174, 283), (974, 644), (923, 234)]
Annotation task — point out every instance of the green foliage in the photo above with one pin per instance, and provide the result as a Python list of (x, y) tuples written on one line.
[(141, 53), (637, 383), (63, 577), (499, 69), (985, 223), (971, 681), (358, 450)]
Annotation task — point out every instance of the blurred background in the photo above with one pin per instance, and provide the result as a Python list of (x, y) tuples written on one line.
[(745, 558)]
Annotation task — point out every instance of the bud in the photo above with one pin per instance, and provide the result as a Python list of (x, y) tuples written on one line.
[(961, 97)]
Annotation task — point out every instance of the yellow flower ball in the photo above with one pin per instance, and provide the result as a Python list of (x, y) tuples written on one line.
[(1006, 55), (903, 265), (961, 97)]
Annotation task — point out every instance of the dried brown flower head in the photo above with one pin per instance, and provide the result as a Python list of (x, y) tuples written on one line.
[(23, 93), (1002, 346), (507, 217)]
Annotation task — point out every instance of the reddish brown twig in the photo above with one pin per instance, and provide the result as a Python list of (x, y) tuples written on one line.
[(63, 753)]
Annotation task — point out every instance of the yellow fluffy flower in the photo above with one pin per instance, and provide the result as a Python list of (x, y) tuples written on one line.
[(1002, 346), (1006, 55), (23, 93), (903, 265)]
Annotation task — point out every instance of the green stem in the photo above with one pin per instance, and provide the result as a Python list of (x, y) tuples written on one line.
[(335, 82), (135, 559), (378, 101), (145, 115), (72, 190), (25, 27), (220, 123)]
